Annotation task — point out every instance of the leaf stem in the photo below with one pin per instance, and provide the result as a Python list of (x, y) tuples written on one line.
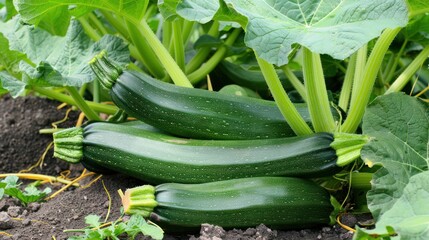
[(346, 89), (412, 68), (177, 75), (293, 118), (361, 57), (296, 83), (99, 107), (88, 29), (81, 104), (363, 90), (202, 53), (100, 27), (317, 96), (215, 59), (34, 176), (147, 55), (179, 49)]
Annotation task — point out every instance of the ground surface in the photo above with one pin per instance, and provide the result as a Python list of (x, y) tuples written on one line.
[(21, 145)]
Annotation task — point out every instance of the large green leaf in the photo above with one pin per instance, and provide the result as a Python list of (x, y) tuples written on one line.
[(32, 11), (11, 84), (61, 61), (9, 59), (335, 27), (399, 126), (409, 216)]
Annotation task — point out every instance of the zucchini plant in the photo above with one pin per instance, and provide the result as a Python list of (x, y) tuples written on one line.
[(375, 48)]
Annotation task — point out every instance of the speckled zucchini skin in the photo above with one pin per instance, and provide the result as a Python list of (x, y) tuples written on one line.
[(198, 113), (278, 202), (158, 158)]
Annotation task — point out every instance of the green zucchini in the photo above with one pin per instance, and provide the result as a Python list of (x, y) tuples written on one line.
[(278, 202), (157, 158), (189, 112)]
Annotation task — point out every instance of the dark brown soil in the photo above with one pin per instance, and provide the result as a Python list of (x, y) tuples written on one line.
[(21, 145)]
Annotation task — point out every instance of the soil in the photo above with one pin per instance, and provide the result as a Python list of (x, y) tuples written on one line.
[(21, 146)]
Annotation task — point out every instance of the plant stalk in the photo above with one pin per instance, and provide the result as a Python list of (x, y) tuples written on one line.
[(179, 49), (215, 59), (317, 96), (99, 107), (412, 68), (147, 55), (202, 53), (81, 104), (293, 118), (296, 83), (364, 89), (346, 90), (177, 75)]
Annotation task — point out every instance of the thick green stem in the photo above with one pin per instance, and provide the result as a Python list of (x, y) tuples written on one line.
[(102, 108), (293, 118), (361, 180), (359, 70), (346, 90), (177, 75), (117, 24), (406, 75), (81, 104), (202, 53), (188, 26), (88, 29), (100, 27), (296, 83), (317, 95), (395, 64), (96, 91), (179, 49), (147, 55), (364, 89), (215, 59)]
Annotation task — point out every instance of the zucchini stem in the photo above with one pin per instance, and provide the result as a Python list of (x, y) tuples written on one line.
[(348, 147), (106, 71), (139, 200), (68, 144)]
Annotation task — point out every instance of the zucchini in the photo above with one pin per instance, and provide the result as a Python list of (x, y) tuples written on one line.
[(278, 202), (189, 112), (157, 158)]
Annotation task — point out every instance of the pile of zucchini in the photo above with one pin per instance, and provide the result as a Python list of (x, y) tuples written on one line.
[(219, 159)]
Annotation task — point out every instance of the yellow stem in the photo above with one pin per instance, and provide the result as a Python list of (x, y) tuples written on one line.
[(110, 201), (34, 176), (343, 225), (68, 185)]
